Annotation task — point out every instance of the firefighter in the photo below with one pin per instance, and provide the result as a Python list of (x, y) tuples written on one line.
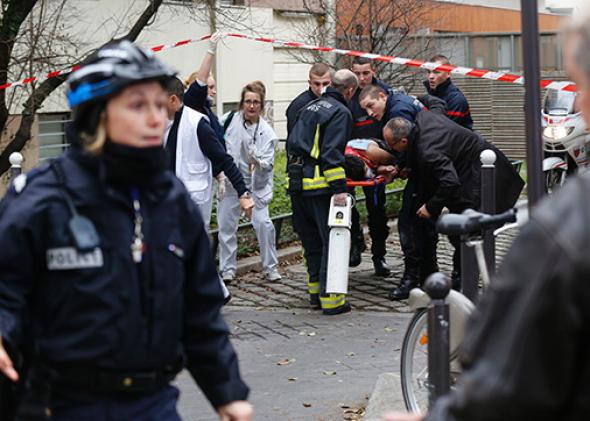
[(316, 173)]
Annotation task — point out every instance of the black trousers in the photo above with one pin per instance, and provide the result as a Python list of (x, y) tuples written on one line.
[(310, 222), (378, 229), (418, 236)]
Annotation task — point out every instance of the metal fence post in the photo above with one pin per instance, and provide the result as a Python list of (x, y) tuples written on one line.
[(437, 287), (488, 204), (16, 160)]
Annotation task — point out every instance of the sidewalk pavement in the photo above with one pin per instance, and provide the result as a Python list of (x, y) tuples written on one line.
[(302, 365)]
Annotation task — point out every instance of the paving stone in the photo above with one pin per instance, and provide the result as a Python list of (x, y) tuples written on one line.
[(367, 292)]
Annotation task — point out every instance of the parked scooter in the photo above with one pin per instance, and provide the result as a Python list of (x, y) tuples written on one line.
[(565, 138)]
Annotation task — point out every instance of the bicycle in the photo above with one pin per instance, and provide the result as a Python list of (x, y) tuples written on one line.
[(414, 352)]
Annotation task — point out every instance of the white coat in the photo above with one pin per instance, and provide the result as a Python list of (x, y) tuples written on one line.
[(253, 150)]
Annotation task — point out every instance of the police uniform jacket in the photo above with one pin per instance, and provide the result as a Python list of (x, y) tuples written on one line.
[(319, 139), (401, 105), (526, 353), (457, 105), (445, 157), (296, 105), (100, 309), (365, 127)]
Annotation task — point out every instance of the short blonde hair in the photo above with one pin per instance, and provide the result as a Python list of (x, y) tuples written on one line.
[(95, 143)]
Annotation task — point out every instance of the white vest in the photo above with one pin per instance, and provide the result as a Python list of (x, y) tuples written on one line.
[(192, 166)]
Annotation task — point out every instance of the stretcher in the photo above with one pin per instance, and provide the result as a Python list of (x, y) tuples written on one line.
[(369, 182)]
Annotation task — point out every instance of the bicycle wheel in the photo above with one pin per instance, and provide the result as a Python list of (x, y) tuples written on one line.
[(414, 363)]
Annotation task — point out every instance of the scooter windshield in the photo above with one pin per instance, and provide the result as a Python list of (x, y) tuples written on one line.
[(559, 102)]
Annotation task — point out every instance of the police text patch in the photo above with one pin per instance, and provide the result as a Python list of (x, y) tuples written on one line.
[(67, 258)]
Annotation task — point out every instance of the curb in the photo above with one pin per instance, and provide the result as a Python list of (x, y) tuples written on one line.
[(252, 263), (386, 397)]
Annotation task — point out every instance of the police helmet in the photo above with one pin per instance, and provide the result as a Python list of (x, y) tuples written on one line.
[(106, 72)]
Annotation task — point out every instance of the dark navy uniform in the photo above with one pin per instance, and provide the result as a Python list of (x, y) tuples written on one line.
[(317, 144), (101, 324), (457, 105), (296, 105), (365, 127)]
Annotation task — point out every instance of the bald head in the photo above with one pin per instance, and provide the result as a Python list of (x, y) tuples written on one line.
[(345, 82)]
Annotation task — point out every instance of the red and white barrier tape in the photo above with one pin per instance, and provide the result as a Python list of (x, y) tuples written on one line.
[(458, 70)]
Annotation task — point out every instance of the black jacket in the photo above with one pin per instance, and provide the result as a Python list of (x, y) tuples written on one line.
[(297, 105), (319, 138), (526, 354), (104, 311), (457, 105), (445, 158), (365, 127)]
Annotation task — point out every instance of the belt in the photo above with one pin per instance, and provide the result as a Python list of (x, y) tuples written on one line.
[(109, 380)]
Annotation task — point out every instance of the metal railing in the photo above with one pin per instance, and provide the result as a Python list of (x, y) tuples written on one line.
[(278, 221)]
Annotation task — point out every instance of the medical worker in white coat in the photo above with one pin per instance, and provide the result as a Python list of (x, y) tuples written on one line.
[(251, 141)]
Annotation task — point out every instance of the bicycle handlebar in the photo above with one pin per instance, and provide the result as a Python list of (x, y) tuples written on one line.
[(472, 222)]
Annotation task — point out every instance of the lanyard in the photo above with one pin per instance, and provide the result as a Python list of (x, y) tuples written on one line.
[(255, 130), (137, 244)]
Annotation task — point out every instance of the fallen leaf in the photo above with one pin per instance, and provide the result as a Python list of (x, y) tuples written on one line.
[(302, 333), (350, 354), (311, 334), (286, 361), (389, 330), (307, 405), (329, 373)]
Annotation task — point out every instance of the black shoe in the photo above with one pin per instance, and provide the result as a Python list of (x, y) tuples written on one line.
[(356, 249), (402, 292), (314, 301), (381, 268), (344, 308)]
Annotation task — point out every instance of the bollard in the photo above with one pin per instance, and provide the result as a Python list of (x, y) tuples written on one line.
[(488, 204), (437, 287), (16, 160)]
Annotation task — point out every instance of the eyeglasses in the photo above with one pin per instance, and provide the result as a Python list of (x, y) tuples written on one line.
[(252, 102)]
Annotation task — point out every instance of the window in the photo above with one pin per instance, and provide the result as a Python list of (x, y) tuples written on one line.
[(52, 137)]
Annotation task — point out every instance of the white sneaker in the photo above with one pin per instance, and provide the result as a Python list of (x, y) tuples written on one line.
[(228, 277), (274, 275)]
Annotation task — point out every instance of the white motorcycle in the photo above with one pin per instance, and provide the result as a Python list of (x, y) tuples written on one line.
[(565, 138)]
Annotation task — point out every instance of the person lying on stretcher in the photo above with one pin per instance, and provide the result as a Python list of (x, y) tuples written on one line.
[(366, 159)]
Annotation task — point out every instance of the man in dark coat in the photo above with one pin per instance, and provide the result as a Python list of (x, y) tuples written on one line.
[(366, 127), (445, 157), (320, 77), (439, 84)]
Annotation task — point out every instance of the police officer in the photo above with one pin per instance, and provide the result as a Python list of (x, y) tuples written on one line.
[(320, 76), (316, 173), (107, 279), (440, 85), (365, 127), (415, 234)]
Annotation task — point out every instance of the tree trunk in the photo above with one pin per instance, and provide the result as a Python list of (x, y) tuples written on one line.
[(40, 94)]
